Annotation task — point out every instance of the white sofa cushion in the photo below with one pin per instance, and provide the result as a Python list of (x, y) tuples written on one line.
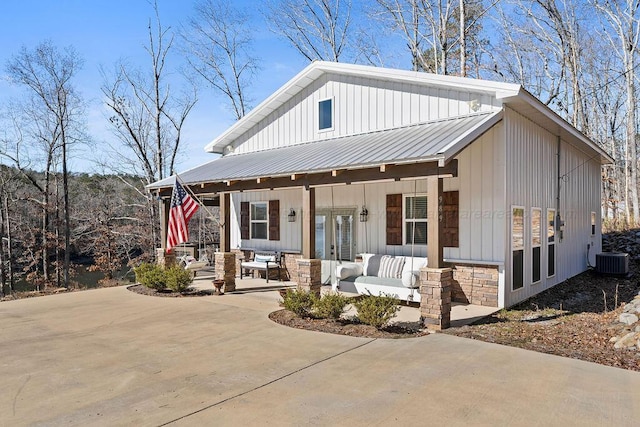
[(413, 263), (348, 270), (410, 279), (264, 258)]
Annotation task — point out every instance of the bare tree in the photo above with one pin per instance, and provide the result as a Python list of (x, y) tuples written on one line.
[(46, 72), (8, 178), (624, 19), (317, 29), (434, 30), (605, 105), (546, 38), (146, 116), (219, 47), (407, 18)]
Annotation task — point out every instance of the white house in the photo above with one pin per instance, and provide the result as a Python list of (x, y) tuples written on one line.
[(477, 176)]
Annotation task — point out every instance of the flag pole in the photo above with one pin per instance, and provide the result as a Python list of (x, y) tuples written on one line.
[(186, 186)]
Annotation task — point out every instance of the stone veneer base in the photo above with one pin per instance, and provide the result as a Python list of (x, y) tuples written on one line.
[(475, 284)]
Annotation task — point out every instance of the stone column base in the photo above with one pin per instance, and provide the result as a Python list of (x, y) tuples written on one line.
[(165, 259), (225, 269), (308, 276), (435, 295)]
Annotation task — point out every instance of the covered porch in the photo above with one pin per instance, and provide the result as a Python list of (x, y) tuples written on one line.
[(421, 157)]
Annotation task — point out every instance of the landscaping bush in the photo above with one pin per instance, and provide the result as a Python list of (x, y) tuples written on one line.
[(377, 311), (331, 305), (151, 275), (300, 302), (178, 279)]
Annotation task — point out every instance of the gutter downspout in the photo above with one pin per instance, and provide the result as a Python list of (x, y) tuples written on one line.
[(558, 220)]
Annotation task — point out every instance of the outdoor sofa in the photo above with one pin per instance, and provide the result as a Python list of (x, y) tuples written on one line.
[(381, 274)]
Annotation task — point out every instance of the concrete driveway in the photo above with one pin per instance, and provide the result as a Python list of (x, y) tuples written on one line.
[(112, 357)]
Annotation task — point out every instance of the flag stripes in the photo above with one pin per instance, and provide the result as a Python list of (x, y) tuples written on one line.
[(182, 209)]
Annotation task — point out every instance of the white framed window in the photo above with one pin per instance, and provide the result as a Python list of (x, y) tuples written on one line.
[(517, 247), (259, 219), (415, 219), (325, 114), (593, 223), (551, 242), (536, 244)]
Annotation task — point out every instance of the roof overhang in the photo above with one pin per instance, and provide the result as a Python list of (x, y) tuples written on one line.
[(532, 108), (411, 151)]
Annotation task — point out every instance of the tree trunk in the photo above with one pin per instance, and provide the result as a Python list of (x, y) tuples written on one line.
[(632, 157), (9, 244), (67, 216), (463, 42), (56, 229), (3, 273), (45, 231)]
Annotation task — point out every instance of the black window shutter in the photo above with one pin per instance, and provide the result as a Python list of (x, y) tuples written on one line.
[(394, 219), (244, 221), (451, 218), (274, 219)]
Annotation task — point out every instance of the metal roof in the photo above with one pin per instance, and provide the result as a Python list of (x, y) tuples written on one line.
[(437, 140)]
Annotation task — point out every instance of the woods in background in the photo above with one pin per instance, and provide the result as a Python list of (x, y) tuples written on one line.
[(578, 57)]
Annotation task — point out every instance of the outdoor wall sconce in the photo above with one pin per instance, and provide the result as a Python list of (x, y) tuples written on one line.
[(364, 214), (292, 215)]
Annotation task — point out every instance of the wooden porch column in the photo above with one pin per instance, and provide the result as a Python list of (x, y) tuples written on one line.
[(163, 206), (308, 223), (225, 260), (435, 223), (225, 222), (162, 257), (435, 280), (308, 274)]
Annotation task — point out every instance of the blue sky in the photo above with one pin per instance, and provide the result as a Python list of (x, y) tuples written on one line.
[(103, 31)]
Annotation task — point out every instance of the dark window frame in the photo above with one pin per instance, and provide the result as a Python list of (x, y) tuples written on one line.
[(325, 122)]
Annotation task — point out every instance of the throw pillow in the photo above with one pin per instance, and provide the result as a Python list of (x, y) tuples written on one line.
[(365, 260), (391, 267), (373, 266)]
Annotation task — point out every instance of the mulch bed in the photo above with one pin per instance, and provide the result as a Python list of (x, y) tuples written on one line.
[(577, 318), (348, 327), (191, 292)]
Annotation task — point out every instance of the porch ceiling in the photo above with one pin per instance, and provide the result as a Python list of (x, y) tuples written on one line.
[(434, 141)]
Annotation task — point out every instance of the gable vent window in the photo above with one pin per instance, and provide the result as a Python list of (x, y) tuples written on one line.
[(325, 114)]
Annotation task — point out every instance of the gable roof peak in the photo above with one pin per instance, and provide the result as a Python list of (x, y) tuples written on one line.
[(318, 68)]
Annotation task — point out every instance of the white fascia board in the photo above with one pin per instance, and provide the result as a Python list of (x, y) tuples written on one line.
[(471, 135), (559, 121), (419, 77), (262, 110)]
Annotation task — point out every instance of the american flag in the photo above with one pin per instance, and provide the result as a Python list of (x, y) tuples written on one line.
[(182, 209)]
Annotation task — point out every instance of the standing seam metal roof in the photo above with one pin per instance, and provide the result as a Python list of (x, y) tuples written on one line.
[(413, 143)]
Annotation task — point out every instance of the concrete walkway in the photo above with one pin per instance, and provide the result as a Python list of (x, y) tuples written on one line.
[(112, 357)]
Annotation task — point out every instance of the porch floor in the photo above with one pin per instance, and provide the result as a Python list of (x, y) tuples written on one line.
[(461, 314)]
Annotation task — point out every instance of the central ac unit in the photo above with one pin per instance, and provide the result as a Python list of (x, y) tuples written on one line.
[(612, 263)]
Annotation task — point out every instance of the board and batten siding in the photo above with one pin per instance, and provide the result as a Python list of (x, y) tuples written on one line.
[(289, 231), (532, 178), (359, 105), (481, 180)]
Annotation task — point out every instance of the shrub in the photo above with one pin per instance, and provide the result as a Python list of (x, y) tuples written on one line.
[(178, 279), (151, 275), (331, 305), (300, 302), (377, 311)]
